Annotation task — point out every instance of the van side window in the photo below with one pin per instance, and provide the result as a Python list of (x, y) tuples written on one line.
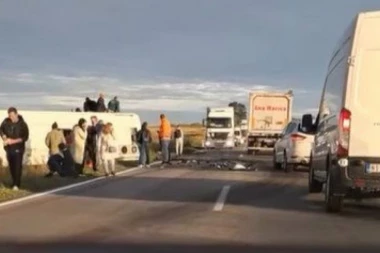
[(335, 81), (67, 133)]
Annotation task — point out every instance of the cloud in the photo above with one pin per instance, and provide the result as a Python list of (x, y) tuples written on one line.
[(63, 92)]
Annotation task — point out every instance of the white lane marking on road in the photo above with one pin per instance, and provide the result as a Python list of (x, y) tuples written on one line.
[(61, 189), (222, 198)]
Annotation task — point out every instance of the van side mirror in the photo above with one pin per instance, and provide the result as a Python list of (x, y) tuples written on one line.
[(203, 122), (307, 122)]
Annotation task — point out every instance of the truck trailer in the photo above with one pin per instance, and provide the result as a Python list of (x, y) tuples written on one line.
[(269, 113)]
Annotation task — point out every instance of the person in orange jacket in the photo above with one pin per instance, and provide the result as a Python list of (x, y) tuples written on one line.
[(164, 134)]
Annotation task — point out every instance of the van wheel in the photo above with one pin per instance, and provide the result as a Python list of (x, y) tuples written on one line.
[(314, 185), (276, 165), (333, 204)]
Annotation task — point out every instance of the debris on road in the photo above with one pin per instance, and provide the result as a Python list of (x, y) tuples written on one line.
[(239, 166), (217, 164)]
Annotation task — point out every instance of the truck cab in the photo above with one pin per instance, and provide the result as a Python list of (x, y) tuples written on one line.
[(220, 128)]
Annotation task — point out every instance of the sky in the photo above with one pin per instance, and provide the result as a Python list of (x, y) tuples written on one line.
[(171, 56)]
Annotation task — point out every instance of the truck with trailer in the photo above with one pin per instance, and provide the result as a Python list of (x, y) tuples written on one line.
[(269, 113), (220, 128)]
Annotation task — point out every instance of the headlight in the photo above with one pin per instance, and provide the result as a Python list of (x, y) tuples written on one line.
[(207, 143)]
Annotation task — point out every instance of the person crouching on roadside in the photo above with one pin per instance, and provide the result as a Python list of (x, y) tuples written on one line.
[(62, 163), (144, 138), (108, 149)]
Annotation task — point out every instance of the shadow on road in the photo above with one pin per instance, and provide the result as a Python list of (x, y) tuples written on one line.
[(94, 247), (286, 192)]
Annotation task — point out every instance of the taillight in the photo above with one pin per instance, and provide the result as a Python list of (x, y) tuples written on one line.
[(344, 125), (297, 137)]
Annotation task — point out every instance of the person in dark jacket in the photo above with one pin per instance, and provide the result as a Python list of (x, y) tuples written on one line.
[(114, 105), (144, 138), (15, 133), (62, 163), (89, 105), (101, 105), (92, 136)]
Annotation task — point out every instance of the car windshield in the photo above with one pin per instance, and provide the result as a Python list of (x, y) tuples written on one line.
[(219, 122)]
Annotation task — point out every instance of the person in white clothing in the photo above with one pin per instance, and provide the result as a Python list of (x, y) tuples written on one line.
[(107, 149), (179, 137)]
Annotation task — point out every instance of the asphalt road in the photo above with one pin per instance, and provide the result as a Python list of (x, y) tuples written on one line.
[(180, 209)]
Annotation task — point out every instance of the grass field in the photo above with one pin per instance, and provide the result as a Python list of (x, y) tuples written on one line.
[(193, 136), (33, 180)]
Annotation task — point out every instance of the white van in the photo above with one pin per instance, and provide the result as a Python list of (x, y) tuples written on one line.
[(40, 123), (346, 150)]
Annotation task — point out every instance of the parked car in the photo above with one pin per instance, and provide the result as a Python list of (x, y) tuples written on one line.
[(346, 151), (294, 146)]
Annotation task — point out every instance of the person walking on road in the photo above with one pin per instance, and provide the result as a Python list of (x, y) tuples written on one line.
[(54, 138), (114, 105), (15, 133), (79, 143), (179, 137), (108, 149), (144, 138), (165, 133)]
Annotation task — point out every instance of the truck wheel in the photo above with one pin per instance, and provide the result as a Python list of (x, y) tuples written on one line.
[(276, 165), (314, 185), (333, 203)]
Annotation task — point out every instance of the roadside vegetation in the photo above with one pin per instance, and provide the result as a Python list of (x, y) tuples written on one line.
[(193, 137), (33, 180)]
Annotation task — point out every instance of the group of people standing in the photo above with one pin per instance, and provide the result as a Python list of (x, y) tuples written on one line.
[(69, 152), (90, 105), (165, 135), (95, 143)]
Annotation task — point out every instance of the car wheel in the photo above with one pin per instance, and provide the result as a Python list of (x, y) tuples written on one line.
[(333, 203), (314, 185), (285, 166), (276, 165)]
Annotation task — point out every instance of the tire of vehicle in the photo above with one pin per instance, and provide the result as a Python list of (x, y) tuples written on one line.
[(333, 204), (314, 185), (276, 165), (250, 152), (285, 166)]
